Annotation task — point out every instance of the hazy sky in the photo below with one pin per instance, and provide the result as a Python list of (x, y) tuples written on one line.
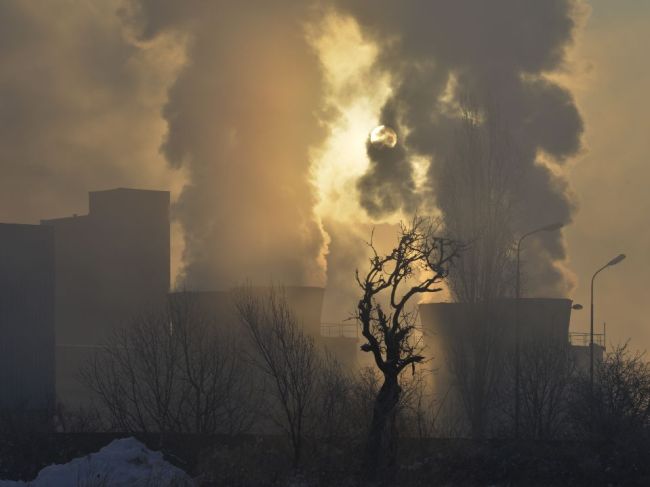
[(612, 179), (255, 115)]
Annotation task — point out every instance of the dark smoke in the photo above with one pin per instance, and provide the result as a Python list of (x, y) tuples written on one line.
[(497, 52), (388, 185)]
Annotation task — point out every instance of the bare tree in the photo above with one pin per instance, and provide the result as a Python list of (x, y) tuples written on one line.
[(417, 265), (547, 374), (286, 356), (547, 370), (615, 416), (478, 180), (134, 376), (366, 385), (418, 409), (477, 189), (620, 401), (332, 418), (172, 372), (84, 419), (219, 388)]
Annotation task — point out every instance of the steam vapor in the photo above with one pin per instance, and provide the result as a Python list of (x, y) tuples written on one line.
[(244, 107), (243, 115)]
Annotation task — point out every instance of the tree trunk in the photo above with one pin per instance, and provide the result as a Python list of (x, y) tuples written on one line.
[(478, 423), (381, 450), (296, 442)]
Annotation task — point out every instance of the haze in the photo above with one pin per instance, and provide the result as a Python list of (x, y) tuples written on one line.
[(256, 117)]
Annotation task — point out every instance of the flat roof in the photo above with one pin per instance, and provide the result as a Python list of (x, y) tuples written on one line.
[(500, 300), (128, 190), (23, 226), (63, 219), (74, 217)]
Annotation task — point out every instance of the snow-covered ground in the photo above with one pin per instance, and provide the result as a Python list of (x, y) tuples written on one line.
[(122, 463)]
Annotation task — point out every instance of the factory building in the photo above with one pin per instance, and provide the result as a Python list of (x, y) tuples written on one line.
[(473, 346), (111, 264), (27, 309), (304, 302), (449, 328), (66, 284)]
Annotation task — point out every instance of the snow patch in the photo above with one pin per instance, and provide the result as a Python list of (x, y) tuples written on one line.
[(122, 463)]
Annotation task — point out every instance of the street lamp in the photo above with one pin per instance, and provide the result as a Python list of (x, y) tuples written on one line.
[(612, 262), (548, 228)]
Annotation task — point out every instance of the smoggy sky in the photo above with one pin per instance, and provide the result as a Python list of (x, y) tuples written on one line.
[(254, 114), (610, 180)]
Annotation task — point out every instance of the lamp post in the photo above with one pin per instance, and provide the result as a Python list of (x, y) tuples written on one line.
[(612, 262), (548, 228)]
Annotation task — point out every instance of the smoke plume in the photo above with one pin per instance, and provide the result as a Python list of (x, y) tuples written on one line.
[(499, 53), (228, 101), (388, 185), (243, 115)]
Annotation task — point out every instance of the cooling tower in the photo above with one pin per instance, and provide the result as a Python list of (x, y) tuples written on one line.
[(306, 304), (473, 346)]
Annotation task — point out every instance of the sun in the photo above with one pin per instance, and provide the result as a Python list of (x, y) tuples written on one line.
[(383, 136)]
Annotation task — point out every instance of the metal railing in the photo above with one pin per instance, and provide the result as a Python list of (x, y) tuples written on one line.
[(580, 339), (339, 330)]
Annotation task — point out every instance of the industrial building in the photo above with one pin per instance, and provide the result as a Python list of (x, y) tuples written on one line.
[(27, 287), (304, 302), (67, 284), (70, 282), (473, 346), (111, 264), (449, 327)]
